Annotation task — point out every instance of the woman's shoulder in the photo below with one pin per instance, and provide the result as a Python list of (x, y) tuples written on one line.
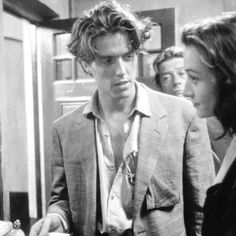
[(220, 209)]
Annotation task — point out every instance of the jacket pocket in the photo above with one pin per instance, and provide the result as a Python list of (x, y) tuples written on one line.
[(161, 196)]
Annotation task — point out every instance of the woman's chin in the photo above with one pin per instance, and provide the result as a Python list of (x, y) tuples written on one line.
[(204, 114)]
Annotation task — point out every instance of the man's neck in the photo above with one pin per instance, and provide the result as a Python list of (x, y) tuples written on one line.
[(114, 108)]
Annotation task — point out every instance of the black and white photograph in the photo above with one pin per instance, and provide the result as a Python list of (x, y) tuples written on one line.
[(117, 118)]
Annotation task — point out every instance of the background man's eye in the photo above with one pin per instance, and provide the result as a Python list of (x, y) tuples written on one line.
[(167, 77)]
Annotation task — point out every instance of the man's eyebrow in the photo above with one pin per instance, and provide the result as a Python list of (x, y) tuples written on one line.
[(166, 73), (130, 51), (171, 71), (102, 56)]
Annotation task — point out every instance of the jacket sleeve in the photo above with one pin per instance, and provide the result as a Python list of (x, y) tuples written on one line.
[(59, 202), (198, 174)]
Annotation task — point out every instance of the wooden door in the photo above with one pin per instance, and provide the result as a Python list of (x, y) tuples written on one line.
[(163, 36), (72, 86)]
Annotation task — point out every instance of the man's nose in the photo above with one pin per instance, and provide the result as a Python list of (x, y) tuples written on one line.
[(188, 91), (177, 79), (120, 66)]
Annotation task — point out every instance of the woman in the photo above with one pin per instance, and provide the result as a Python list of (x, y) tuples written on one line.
[(210, 62)]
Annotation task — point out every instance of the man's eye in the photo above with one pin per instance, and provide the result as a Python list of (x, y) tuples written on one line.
[(107, 60), (182, 73), (129, 57), (166, 77)]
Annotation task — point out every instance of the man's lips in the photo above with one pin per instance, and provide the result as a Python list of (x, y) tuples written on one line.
[(178, 92), (121, 83)]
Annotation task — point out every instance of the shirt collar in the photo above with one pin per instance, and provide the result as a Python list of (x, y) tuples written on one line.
[(92, 106), (141, 103)]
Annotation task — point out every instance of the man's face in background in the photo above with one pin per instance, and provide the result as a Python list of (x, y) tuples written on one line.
[(173, 76)]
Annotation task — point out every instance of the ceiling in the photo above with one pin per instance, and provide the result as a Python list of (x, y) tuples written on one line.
[(32, 10)]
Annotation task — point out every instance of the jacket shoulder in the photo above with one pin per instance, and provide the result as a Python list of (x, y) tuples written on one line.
[(70, 117), (170, 103)]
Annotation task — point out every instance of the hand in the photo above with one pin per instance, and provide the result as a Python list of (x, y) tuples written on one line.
[(51, 223)]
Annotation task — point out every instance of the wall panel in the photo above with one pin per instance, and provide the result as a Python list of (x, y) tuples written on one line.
[(186, 10)]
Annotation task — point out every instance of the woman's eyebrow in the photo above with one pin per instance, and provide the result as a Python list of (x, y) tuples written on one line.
[(192, 70)]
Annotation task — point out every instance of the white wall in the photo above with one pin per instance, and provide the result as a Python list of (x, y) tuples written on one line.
[(14, 155), (186, 10), (2, 94), (17, 112)]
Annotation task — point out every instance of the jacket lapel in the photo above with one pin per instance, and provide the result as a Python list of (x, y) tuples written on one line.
[(152, 134), (86, 131), (87, 148)]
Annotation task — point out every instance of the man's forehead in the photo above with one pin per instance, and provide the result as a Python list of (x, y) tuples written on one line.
[(113, 54), (172, 62), (172, 65), (112, 41)]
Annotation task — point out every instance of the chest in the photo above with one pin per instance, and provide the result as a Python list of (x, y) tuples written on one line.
[(118, 139)]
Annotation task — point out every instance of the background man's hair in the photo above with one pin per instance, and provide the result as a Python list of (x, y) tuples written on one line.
[(167, 54)]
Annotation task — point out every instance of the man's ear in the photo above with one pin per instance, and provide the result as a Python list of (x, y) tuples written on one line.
[(86, 68)]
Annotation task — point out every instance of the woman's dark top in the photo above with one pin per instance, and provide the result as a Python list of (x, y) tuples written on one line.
[(220, 207)]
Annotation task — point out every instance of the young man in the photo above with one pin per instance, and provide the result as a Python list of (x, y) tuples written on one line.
[(170, 74), (131, 161)]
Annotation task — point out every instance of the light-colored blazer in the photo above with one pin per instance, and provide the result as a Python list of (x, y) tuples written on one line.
[(174, 169)]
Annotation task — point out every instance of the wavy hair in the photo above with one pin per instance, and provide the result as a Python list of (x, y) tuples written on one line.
[(106, 17), (215, 40), (165, 55)]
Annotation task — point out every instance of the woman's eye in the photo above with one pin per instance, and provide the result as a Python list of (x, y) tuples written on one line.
[(194, 79)]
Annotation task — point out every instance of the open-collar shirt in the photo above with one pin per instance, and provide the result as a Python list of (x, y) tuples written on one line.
[(116, 186)]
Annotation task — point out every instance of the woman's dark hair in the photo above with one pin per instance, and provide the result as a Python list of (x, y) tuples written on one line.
[(106, 17), (165, 55), (215, 39)]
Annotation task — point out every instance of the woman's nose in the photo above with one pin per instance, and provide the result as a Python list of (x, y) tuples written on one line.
[(188, 91)]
